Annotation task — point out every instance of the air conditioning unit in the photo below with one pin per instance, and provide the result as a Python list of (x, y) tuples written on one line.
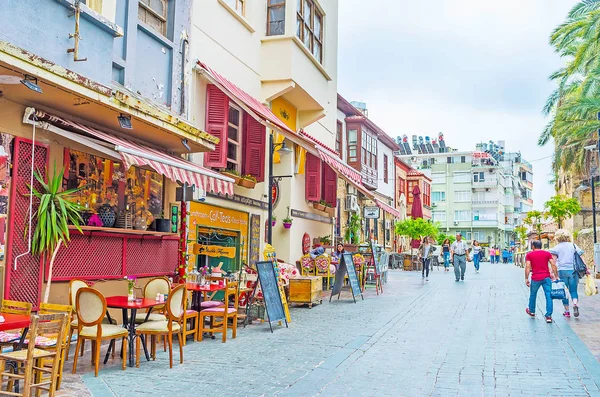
[(488, 190), (351, 189), (455, 223), (434, 204), (352, 203)]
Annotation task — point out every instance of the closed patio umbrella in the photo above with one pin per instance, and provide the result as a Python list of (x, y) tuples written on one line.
[(417, 210)]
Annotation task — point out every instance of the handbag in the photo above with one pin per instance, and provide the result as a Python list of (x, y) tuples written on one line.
[(590, 286), (579, 265), (558, 290)]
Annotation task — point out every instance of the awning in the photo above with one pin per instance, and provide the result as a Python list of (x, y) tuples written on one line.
[(337, 164), (134, 154), (387, 208), (253, 106)]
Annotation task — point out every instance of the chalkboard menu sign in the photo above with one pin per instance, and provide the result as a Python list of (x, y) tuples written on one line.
[(346, 266), (254, 239), (270, 291)]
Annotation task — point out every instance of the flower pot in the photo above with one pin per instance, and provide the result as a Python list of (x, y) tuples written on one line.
[(108, 215), (319, 207), (236, 178), (287, 225), (247, 183), (273, 223), (163, 225)]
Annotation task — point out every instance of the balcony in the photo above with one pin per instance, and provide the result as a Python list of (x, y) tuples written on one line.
[(485, 223), (486, 183), (484, 203)]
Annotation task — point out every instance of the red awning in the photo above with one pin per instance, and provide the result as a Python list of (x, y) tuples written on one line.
[(337, 164), (387, 208), (253, 106), (134, 154)]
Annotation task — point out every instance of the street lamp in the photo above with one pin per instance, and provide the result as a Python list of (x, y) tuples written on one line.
[(283, 150)]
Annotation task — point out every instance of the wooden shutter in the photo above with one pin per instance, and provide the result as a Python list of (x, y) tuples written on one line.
[(217, 114), (329, 185), (253, 149), (313, 178)]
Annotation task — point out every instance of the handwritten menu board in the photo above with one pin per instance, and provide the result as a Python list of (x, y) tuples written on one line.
[(271, 292), (254, 239), (346, 267)]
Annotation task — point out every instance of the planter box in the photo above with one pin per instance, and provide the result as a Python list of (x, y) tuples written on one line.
[(236, 178), (319, 207), (247, 183), (330, 211)]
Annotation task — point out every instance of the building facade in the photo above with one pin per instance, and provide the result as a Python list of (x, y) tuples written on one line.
[(100, 90)]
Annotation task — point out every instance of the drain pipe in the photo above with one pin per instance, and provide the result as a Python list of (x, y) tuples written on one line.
[(184, 45), (30, 192)]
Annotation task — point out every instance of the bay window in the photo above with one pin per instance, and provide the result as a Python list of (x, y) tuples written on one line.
[(309, 27)]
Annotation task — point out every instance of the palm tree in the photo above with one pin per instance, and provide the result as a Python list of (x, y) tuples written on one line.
[(574, 105)]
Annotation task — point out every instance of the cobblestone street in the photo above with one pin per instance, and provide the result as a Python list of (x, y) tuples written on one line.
[(439, 338)]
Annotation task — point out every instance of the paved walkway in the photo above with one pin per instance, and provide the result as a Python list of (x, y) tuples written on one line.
[(439, 338)]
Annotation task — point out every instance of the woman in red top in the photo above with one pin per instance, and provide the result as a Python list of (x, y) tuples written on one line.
[(536, 263)]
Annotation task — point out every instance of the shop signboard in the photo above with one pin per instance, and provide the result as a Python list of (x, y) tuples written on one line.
[(214, 251), (371, 212)]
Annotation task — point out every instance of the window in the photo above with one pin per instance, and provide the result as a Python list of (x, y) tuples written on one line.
[(426, 194), (463, 159), (352, 145), (409, 195), (275, 17), (479, 236), (309, 27), (154, 14), (238, 5), (462, 196), (479, 177), (439, 216), (234, 138), (385, 168), (449, 160), (369, 150), (95, 5), (461, 216), (437, 197), (438, 178), (338, 137), (461, 177)]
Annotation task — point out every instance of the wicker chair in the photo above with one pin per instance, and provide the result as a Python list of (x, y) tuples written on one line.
[(91, 309), (176, 304)]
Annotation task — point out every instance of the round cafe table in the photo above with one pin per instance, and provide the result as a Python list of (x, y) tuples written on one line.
[(122, 302)]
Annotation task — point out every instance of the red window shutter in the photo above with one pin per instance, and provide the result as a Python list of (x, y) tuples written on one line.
[(255, 136), (313, 178), (329, 185), (217, 113)]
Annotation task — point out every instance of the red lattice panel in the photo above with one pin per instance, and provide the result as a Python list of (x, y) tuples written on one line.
[(89, 257), (25, 282), (151, 257)]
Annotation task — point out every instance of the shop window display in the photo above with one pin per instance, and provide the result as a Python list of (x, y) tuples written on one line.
[(130, 198)]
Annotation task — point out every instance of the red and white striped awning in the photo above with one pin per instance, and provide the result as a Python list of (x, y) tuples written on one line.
[(387, 208), (337, 164), (133, 154)]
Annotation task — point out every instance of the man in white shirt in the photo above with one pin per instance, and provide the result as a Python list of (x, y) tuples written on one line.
[(459, 256)]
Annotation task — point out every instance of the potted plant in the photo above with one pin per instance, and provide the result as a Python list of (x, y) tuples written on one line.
[(273, 220), (233, 174), (163, 225), (247, 181), (325, 240), (320, 206), (287, 222), (57, 209)]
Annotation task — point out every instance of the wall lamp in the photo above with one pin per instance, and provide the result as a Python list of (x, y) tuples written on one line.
[(125, 121), (31, 82)]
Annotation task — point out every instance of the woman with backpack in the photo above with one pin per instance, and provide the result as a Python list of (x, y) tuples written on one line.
[(564, 254)]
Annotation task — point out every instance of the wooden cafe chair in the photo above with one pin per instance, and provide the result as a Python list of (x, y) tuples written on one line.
[(8, 339), (190, 317), (307, 265), (225, 313), (323, 268), (29, 361), (175, 308), (91, 309)]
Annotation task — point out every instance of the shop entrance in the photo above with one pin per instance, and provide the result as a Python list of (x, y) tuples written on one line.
[(230, 239)]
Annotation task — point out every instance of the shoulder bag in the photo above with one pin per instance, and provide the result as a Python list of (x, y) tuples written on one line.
[(579, 265)]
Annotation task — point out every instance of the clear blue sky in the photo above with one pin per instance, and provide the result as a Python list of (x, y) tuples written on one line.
[(474, 70)]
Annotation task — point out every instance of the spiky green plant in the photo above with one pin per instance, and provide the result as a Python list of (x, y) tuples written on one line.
[(55, 211)]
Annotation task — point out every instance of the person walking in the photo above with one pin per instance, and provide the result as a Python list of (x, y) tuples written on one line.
[(459, 257), (446, 253), (505, 256), (492, 251), (564, 253), (476, 252), (497, 253), (537, 263), (426, 253)]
